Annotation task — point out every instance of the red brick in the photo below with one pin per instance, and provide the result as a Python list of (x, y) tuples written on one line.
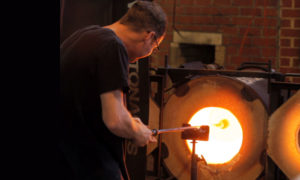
[(231, 50), (195, 10), (282, 69), (209, 28), (168, 10), (221, 20), (272, 3), (228, 11), (168, 37), (170, 27), (297, 23), (273, 62), (286, 3), (290, 13), (180, 26), (285, 23), (193, 20), (242, 2), (268, 52), (270, 12), (296, 80), (163, 47), (297, 4), (184, 20), (210, 11), (241, 20), (187, 1), (285, 61), (251, 31), (203, 2), (289, 70), (285, 42), (296, 62), (238, 41), (166, 43), (265, 60), (295, 70), (229, 30), (290, 52), (188, 28), (251, 51), (226, 40), (230, 67), (203, 19), (239, 60), (265, 22), (180, 10), (164, 5), (264, 42), (250, 12), (222, 2), (290, 33), (297, 42), (269, 32), (165, 2), (195, 27)]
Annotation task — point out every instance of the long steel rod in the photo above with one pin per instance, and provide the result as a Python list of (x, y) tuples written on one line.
[(160, 131)]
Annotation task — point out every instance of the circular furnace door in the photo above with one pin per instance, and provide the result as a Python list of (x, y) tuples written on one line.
[(237, 120)]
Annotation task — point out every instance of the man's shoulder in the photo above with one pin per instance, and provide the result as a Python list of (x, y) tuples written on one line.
[(105, 35)]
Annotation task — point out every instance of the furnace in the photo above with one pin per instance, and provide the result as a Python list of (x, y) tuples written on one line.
[(236, 105), (237, 119)]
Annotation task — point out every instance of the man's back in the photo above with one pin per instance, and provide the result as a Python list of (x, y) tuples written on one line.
[(93, 61)]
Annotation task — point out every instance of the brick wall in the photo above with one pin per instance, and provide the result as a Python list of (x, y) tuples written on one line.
[(290, 37), (268, 29)]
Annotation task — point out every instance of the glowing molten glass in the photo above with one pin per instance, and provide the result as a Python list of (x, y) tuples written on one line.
[(225, 136)]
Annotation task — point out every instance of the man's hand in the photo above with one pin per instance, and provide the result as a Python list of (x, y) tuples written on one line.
[(120, 122), (143, 135)]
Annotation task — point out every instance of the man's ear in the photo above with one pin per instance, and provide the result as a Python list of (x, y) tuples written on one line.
[(150, 35)]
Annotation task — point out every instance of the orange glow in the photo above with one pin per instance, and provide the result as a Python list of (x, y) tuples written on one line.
[(298, 140), (225, 137)]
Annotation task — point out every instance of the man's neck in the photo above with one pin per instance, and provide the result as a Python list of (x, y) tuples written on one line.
[(127, 36)]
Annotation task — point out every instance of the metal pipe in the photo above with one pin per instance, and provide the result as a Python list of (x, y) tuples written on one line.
[(185, 72), (160, 131), (194, 162), (162, 104)]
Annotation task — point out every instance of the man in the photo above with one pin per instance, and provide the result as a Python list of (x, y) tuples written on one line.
[(93, 77)]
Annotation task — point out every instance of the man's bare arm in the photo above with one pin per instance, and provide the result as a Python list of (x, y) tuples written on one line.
[(120, 122)]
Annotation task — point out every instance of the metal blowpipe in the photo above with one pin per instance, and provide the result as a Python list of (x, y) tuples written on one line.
[(160, 131)]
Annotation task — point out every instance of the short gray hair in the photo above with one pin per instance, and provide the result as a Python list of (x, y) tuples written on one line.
[(145, 15)]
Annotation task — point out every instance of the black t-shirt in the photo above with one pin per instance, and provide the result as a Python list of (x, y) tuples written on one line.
[(93, 60)]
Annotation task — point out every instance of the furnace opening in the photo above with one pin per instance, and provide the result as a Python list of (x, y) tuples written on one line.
[(197, 52), (225, 138)]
